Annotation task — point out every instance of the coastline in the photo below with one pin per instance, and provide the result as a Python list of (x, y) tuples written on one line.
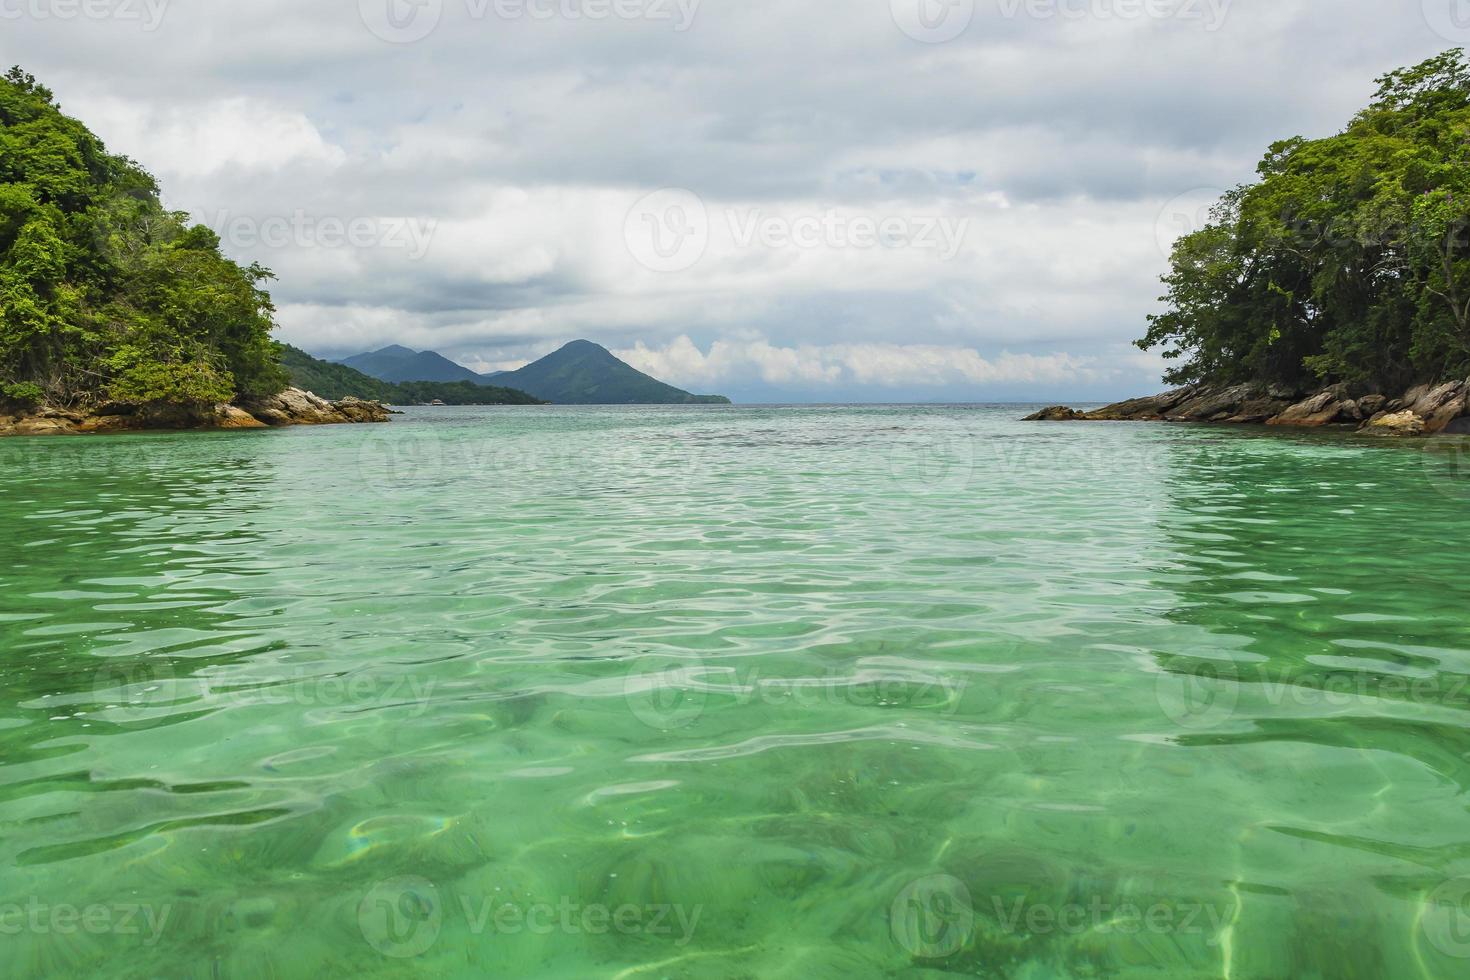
[(291, 407), (1423, 410)]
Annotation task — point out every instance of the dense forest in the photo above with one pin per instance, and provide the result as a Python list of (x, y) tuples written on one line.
[(1347, 261), (105, 294)]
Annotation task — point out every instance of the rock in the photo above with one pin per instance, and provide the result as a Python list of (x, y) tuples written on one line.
[(1428, 404), (1405, 423), (1213, 404), (1145, 409), (109, 423), (1057, 413), (1326, 407), (230, 417), (296, 407), (1258, 410), (37, 426), (1371, 405), (359, 410)]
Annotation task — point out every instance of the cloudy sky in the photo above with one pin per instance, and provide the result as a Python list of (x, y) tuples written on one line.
[(811, 200)]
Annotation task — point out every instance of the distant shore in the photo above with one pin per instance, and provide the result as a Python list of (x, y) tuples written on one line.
[(291, 407), (1425, 409)]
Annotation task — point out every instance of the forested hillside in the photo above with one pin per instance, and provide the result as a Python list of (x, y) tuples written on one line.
[(104, 294), (1349, 259)]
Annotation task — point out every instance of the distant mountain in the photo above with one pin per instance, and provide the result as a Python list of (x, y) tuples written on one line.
[(584, 373), (338, 381), (581, 373), (401, 364)]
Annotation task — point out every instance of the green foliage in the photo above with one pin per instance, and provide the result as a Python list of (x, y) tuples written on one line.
[(1349, 260), (103, 292), (338, 381), (22, 393)]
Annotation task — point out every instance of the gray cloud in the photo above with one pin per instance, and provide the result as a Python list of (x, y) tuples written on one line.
[(508, 151)]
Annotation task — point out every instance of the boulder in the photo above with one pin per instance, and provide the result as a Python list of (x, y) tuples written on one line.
[(1404, 423), (1326, 407), (230, 417), (1371, 405), (1213, 404), (1057, 413), (359, 410), (42, 426), (1146, 409), (1428, 404)]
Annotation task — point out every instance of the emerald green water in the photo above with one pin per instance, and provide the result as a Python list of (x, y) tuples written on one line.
[(734, 693)]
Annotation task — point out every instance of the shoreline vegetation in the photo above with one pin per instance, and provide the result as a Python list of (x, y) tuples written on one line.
[(119, 315), (1335, 290)]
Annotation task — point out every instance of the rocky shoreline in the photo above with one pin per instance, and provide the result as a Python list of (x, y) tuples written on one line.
[(1426, 409), (291, 407)]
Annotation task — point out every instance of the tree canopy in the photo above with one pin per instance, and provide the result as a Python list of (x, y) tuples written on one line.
[(105, 294), (1348, 260)]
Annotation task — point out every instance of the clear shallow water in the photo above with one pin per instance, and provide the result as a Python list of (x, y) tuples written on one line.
[(734, 693)]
